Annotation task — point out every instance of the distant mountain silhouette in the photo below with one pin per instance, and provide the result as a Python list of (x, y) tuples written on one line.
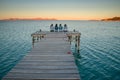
[(30, 19), (112, 19)]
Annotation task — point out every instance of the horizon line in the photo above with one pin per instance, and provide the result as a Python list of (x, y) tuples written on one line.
[(40, 18)]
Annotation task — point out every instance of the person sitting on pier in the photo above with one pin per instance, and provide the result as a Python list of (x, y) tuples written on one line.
[(40, 30), (60, 28), (56, 28), (51, 28), (65, 28)]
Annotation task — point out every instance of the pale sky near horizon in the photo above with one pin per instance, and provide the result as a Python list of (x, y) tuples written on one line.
[(60, 9)]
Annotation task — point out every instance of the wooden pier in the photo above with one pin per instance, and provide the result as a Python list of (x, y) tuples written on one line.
[(50, 58)]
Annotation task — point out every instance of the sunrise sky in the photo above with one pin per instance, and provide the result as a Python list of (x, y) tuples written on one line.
[(60, 9)]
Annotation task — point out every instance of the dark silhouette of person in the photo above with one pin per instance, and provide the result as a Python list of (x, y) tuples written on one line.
[(60, 28), (56, 28), (74, 30), (40, 30)]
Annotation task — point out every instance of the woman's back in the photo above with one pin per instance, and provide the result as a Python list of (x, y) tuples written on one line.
[(56, 28), (60, 28), (65, 28), (51, 28)]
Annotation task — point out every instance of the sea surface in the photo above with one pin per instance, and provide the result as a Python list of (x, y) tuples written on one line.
[(99, 46)]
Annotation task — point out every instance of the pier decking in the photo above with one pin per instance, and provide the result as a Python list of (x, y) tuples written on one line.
[(50, 59)]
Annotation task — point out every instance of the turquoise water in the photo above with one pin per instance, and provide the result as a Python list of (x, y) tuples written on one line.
[(99, 49)]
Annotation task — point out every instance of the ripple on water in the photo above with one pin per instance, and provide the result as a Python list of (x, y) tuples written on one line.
[(106, 63), (99, 49)]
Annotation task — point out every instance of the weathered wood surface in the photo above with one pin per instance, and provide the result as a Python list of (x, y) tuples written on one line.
[(48, 60)]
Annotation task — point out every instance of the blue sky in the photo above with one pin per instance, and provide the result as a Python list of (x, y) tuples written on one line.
[(59, 9)]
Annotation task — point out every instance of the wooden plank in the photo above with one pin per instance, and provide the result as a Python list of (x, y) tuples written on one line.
[(45, 67), (50, 59), (15, 71), (43, 76)]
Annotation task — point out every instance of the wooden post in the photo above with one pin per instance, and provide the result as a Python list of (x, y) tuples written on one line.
[(69, 38), (78, 43), (40, 37), (37, 37), (33, 41)]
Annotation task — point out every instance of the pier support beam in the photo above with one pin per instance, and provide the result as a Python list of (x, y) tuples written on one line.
[(36, 37), (74, 36), (71, 36)]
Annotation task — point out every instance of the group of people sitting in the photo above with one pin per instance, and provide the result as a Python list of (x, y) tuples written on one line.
[(59, 28)]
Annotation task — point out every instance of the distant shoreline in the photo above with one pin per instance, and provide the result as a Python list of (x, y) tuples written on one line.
[(14, 19), (111, 19), (49, 19)]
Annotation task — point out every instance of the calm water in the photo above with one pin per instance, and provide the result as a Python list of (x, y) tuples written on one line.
[(100, 46)]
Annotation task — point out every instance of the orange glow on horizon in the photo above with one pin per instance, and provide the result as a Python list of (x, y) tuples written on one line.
[(59, 9), (58, 18)]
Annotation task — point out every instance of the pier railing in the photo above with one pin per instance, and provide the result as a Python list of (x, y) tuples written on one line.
[(71, 35)]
